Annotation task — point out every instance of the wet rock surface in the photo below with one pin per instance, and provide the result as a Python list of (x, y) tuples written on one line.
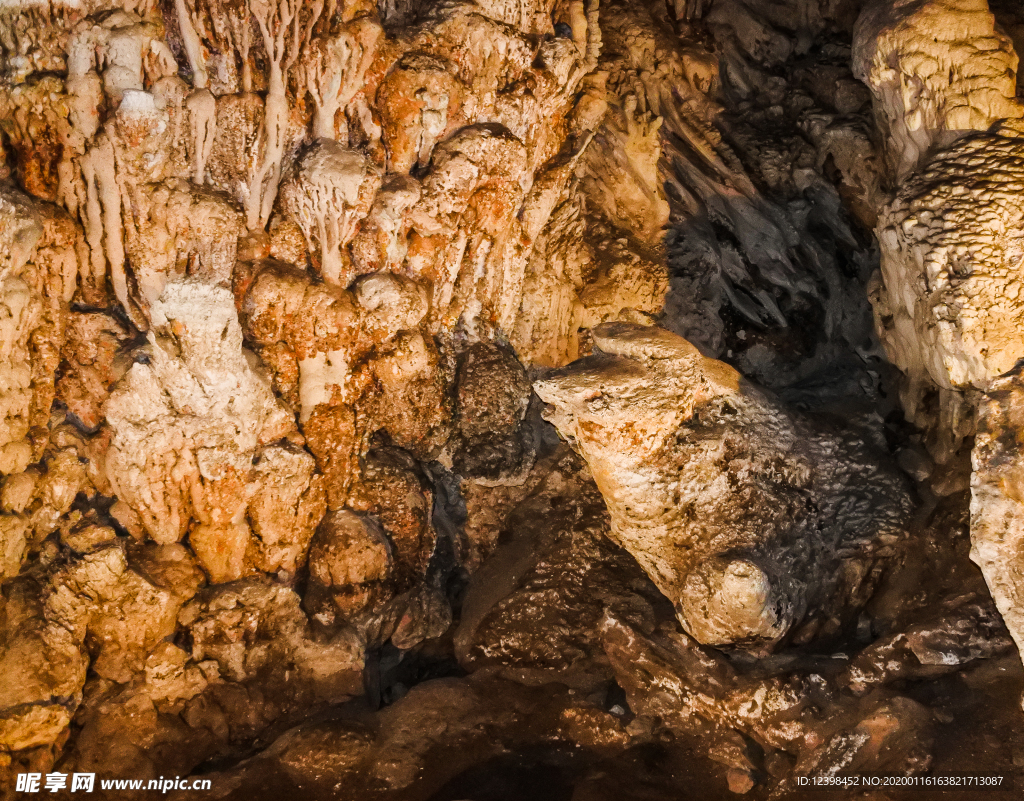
[(454, 401), (723, 495), (533, 611)]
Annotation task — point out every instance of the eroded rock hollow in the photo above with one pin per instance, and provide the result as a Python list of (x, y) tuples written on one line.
[(454, 399)]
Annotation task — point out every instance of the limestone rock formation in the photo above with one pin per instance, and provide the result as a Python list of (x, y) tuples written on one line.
[(38, 273), (757, 524), (396, 493), (279, 506), (107, 610), (31, 717), (776, 712), (946, 296), (277, 638), (91, 364), (559, 570), (188, 420), (250, 657), (349, 362), (426, 742), (352, 559), (330, 192), (996, 504), (951, 253), (491, 440), (937, 70), (940, 644)]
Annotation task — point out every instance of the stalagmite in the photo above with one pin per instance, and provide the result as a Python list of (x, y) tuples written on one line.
[(946, 304), (997, 506)]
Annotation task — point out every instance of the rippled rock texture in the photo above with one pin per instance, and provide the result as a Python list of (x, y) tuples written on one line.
[(754, 521), (566, 400)]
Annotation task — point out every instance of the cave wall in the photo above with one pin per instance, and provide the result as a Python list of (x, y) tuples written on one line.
[(552, 336)]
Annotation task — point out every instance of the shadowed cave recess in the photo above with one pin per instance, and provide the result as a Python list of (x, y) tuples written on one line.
[(549, 400)]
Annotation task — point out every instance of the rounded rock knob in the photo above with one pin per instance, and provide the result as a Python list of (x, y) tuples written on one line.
[(729, 601)]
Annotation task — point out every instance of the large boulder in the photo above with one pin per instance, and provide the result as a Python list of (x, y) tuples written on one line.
[(758, 523)]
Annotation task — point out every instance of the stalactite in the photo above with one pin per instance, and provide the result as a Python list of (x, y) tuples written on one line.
[(424, 397), (286, 26), (202, 112)]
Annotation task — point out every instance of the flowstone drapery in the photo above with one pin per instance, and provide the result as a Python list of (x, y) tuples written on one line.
[(285, 286)]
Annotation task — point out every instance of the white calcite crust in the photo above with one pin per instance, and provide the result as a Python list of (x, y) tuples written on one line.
[(937, 70), (952, 264)]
